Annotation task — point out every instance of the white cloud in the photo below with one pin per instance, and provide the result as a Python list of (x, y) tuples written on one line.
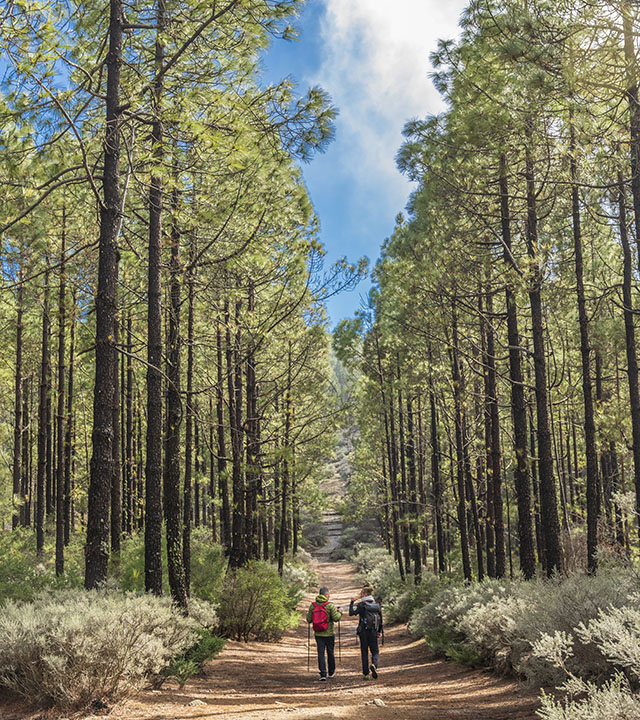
[(376, 67)]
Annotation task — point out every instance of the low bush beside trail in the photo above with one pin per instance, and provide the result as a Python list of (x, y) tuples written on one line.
[(577, 633), (74, 649), (257, 604)]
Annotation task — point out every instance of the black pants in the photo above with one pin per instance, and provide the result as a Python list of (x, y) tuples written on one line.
[(368, 641), (328, 644)]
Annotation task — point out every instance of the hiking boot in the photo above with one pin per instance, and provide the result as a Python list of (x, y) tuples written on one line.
[(323, 679), (367, 677), (374, 671), (333, 674)]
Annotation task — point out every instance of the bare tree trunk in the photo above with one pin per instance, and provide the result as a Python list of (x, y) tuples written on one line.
[(153, 472), (177, 527), (519, 411), (60, 485), (97, 548), (223, 481), (548, 498), (68, 442), (459, 423), (593, 509), (19, 516), (42, 420)]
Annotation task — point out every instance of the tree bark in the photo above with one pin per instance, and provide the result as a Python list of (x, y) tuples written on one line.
[(223, 481), (42, 420), (60, 415), (518, 406), (19, 515), (68, 442), (460, 476), (632, 359), (176, 553), (548, 498), (97, 547), (153, 471), (593, 509)]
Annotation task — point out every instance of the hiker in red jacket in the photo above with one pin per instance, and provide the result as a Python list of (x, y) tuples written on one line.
[(322, 614)]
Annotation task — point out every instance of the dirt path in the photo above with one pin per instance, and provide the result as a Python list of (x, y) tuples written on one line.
[(270, 682)]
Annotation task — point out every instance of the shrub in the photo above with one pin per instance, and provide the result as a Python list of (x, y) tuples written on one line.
[(256, 604), (562, 605), (24, 574), (208, 566), (616, 632), (190, 663), (500, 621), (400, 607), (298, 579), (378, 568), (76, 648)]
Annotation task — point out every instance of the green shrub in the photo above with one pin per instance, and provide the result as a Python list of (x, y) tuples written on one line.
[(379, 569), (24, 574), (208, 566), (190, 663), (298, 578), (256, 604), (76, 648), (400, 607)]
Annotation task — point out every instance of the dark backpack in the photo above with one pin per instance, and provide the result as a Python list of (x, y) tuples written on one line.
[(319, 617), (370, 618)]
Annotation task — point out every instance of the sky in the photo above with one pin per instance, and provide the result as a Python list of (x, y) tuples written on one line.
[(372, 58)]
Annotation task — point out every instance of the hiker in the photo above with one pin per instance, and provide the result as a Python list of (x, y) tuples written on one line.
[(369, 630), (322, 614)]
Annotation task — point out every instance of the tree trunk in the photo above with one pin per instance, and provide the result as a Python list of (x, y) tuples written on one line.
[(68, 442), (285, 467), (634, 113), (42, 420), (116, 477), (459, 425), (173, 519), (223, 481), (632, 360), (19, 515), (416, 550), (153, 471), (237, 555), (548, 498), (188, 440), (60, 485), (437, 482), (130, 456), (593, 509), (97, 548), (518, 405)]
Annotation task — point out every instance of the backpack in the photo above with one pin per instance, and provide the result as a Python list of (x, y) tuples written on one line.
[(319, 617), (370, 618)]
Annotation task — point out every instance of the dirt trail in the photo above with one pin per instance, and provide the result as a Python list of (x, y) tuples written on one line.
[(270, 682)]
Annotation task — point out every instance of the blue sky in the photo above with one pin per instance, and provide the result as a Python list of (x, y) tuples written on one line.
[(372, 57)]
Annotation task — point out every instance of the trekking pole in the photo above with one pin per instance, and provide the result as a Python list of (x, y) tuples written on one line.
[(308, 647), (339, 644)]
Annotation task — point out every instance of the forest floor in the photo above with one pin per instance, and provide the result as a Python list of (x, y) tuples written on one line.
[(255, 681)]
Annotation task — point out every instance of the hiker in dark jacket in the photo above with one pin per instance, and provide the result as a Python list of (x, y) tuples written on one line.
[(322, 614), (369, 630)]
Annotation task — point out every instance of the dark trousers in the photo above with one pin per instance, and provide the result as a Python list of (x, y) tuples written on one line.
[(369, 641), (328, 644)]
